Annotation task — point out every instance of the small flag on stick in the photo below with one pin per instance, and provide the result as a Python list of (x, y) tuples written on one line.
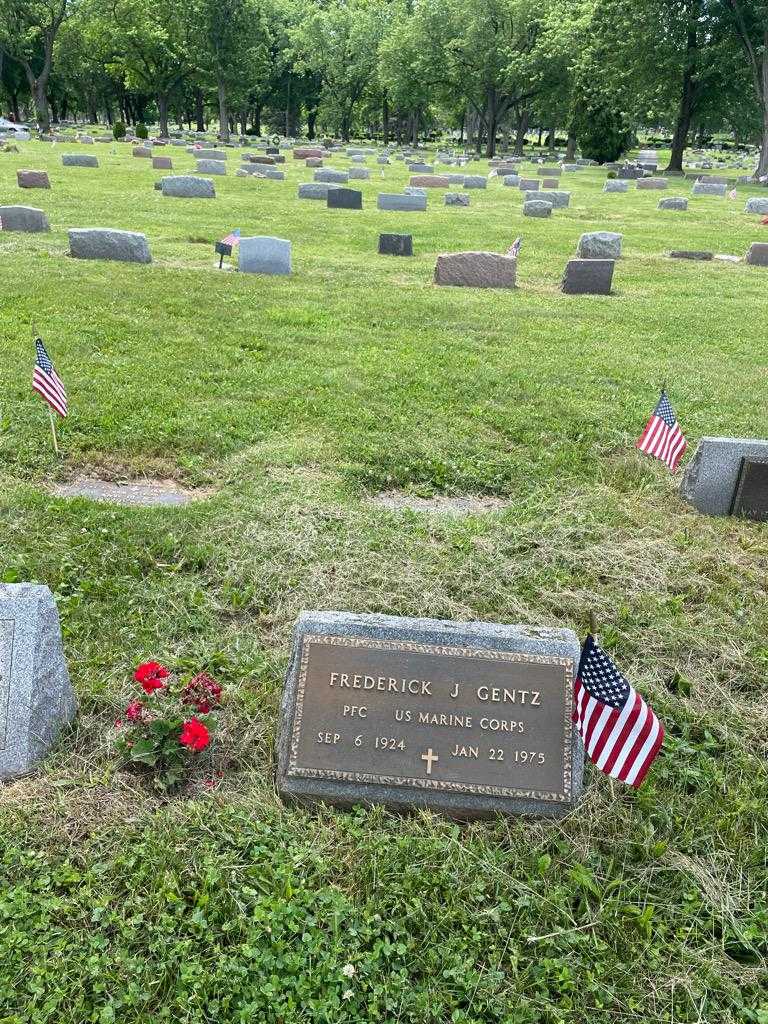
[(732, 194), (621, 733), (662, 436), (514, 249), (46, 382), (233, 238)]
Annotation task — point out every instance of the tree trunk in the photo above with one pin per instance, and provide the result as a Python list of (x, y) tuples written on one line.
[(199, 112), (311, 122), (414, 128), (162, 111), (570, 149), (541, 133), (385, 119), (491, 112), (40, 97), (522, 128), (688, 98), (551, 143), (399, 131), (15, 106), (223, 113), (256, 119)]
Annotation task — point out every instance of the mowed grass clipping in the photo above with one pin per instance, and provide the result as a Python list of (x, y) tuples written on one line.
[(297, 399)]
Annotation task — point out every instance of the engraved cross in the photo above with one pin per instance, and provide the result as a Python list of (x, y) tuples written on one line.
[(429, 757)]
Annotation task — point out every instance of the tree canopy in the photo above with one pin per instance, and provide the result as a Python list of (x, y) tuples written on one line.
[(594, 71)]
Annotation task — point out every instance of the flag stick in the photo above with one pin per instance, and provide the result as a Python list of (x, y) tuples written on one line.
[(53, 430), (593, 623)]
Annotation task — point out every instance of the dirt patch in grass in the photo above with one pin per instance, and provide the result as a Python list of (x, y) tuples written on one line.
[(142, 493), (466, 505)]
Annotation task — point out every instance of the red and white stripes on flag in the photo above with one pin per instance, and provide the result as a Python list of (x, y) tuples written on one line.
[(46, 382), (621, 733), (662, 436)]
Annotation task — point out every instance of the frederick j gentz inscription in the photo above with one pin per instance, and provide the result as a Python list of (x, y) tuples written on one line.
[(469, 718)]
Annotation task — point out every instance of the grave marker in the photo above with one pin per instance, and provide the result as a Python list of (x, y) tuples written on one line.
[(470, 719)]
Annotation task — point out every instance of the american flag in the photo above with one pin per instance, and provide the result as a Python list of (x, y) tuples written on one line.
[(514, 249), (621, 733), (732, 194), (233, 238), (46, 381), (662, 436)]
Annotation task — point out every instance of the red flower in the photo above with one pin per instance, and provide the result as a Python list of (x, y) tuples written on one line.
[(195, 735), (134, 711), (149, 675)]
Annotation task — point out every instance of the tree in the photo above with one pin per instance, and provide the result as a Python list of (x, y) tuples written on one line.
[(153, 46), (340, 42), (749, 22), (28, 30)]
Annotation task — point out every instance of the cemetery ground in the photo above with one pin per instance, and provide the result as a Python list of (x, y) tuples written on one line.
[(294, 401)]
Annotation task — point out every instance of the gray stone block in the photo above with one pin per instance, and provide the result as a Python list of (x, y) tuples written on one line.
[(395, 201), (315, 189), (710, 477), (211, 167), (261, 254), (359, 173), (319, 759), (419, 168), (209, 154), (599, 245), (36, 697), (691, 254), (757, 254), (708, 188), (529, 185), (186, 186), (79, 160), (537, 208), (142, 151), (329, 174), (456, 199), (652, 184), (108, 244), (511, 180), (757, 204), (475, 181), (23, 218), (412, 190), (673, 203), (395, 245), (560, 200), (588, 277), (616, 185)]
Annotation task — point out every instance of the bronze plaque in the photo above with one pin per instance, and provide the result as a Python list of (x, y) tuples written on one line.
[(426, 717), (750, 497)]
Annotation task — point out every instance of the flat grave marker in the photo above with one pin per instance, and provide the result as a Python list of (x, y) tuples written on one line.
[(470, 719)]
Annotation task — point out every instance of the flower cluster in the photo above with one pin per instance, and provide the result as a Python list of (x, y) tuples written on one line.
[(164, 730)]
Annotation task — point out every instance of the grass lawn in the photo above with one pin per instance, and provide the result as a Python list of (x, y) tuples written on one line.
[(297, 399)]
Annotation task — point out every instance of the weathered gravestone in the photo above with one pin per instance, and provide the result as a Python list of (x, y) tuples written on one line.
[(673, 203), (456, 199), (430, 180), (475, 181), (359, 173), (757, 254), (79, 160), (36, 697), (162, 163), (755, 204), (23, 218), (717, 481), (512, 180), (211, 167), (691, 254), (529, 185), (315, 189), (186, 186), (470, 719), (652, 184), (328, 174), (395, 201), (344, 199), (599, 245), (32, 179), (588, 277), (476, 270), (708, 188), (142, 151), (395, 245), (261, 254), (537, 208), (616, 185), (108, 244)]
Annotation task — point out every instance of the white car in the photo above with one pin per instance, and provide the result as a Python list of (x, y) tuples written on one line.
[(11, 130)]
